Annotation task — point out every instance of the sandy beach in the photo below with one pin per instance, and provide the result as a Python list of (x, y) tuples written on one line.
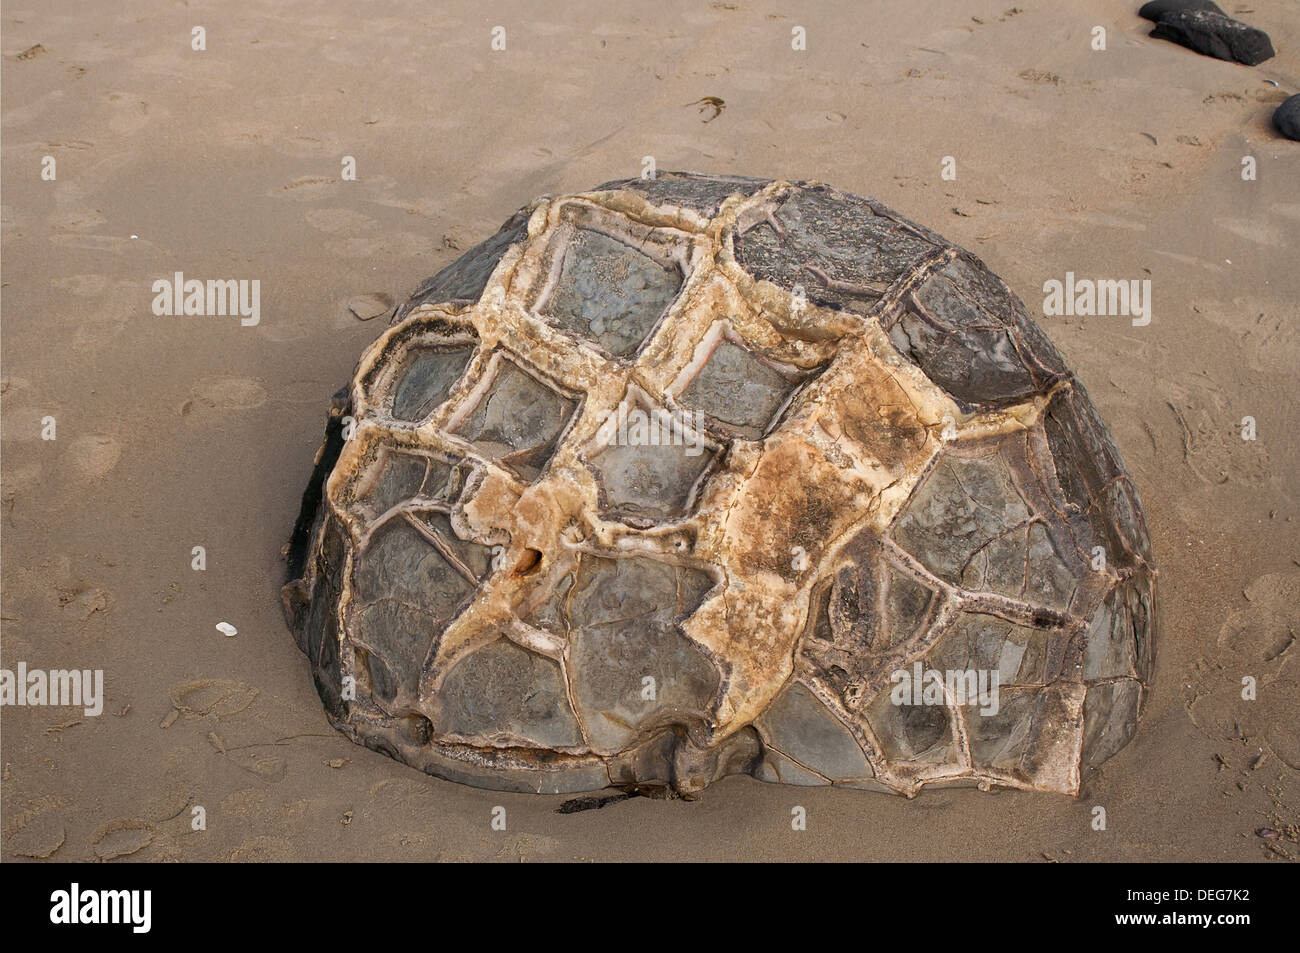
[(176, 432)]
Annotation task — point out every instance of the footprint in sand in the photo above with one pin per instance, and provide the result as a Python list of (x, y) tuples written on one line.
[(1210, 430), (225, 393), (281, 331), (1270, 341), (38, 108), (1278, 711), (21, 477), (305, 147), (395, 842), (93, 456), (295, 811), (87, 286), (81, 601), (1259, 640), (395, 794), (389, 246), (53, 583), (355, 249), (116, 304), (1266, 628), (18, 480), (521, 846), (39, 837), (220, 698), (337, 220), (243, 803), (267, 767), (128, 113), (262, 848), (120, 837), (306, 188)]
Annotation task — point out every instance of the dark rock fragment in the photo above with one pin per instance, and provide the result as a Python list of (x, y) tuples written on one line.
[(1215, 34), (1287, 118)]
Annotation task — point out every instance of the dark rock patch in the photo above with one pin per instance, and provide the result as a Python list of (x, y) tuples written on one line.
[(1154, 10), (1215, 34), (1287, 118)]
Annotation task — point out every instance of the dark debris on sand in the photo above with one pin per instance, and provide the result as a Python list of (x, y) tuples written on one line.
[(1214, 34), (594, 802), (1287, 118)]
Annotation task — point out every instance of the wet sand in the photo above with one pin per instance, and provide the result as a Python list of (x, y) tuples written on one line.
[(175, 432)]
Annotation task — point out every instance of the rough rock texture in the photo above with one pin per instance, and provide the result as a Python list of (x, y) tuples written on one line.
[(1215, 34), (672, 480), (1155, 9), (1287, 117)]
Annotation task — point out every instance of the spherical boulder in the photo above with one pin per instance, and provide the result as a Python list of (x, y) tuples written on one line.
[(703, 475)]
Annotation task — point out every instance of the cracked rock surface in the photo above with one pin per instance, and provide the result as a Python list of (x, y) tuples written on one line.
[(686, 477)]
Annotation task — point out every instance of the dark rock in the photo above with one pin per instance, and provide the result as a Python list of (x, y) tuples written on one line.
[(593, 802), (800, 727), (1215, 34), (1109, 717), (518, 420), (857, 247), (427, 379), (739, 391), (1154, 10), (510, 695), (1287, 118), (465, 278), (622, 614)]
